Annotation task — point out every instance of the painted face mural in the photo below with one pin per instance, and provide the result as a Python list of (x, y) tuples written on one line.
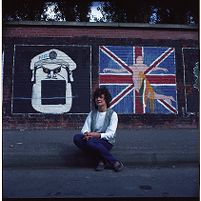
[(52, 75)]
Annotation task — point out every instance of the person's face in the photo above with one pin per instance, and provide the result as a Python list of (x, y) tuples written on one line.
[(139, 60), (100, 101)]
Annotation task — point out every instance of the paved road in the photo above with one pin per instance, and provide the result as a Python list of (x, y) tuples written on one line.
[(140, 181)]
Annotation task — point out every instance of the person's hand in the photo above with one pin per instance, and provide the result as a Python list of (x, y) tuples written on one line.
[(165, 70), (105, 70), (90, 135)]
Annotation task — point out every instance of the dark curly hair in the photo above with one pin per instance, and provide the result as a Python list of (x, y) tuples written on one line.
[(102, 91)]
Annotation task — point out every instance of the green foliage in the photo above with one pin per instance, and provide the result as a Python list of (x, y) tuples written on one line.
[(151, 11), (36, 10), (128, 11)]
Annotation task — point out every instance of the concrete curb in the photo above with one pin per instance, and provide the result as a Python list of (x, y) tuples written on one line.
[(77, 159), (47, 149)]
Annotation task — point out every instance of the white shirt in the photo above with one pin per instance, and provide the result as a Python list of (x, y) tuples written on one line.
[(111, 130)]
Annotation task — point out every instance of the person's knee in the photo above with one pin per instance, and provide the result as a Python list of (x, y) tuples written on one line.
[(93, 143), (77, 138)]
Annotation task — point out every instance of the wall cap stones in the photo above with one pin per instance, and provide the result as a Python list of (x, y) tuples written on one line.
[(94, 24)]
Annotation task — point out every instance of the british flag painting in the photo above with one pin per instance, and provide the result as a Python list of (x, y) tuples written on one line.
[(140, 79)]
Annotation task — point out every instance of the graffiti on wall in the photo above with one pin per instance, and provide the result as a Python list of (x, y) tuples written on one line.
[(191, 69), (140, 79), (50, 79)]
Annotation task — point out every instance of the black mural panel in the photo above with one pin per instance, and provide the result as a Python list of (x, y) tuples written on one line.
[(51, 79), (191, 64)]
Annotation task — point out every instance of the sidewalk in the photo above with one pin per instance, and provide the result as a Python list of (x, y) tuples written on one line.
[(54, 148)]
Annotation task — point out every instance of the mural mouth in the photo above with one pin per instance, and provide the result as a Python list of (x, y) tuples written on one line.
[(53, 92)]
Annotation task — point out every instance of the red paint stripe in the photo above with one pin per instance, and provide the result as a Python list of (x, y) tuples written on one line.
[(115, 79), (116, 58), (138, 103), (138, 52), (161, 79), (168, 106), (127, 79)]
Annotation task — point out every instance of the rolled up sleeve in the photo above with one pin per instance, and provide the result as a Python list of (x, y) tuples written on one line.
[(87, 124)]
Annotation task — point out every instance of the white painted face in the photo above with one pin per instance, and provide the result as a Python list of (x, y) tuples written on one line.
[(51, 66), (49, 69)]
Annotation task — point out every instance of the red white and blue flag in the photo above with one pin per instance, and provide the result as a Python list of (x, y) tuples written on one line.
[(126, 99)]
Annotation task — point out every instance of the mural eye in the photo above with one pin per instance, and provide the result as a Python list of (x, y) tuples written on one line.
[(57, 70), (45, 70)]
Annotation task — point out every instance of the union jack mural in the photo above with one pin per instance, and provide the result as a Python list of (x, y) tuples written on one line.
[(140, 79)]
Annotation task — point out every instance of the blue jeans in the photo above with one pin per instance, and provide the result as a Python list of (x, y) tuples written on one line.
[(100, 147)]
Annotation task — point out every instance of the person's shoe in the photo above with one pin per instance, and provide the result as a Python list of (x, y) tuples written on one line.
[(118, 166), (100, 166), (108, 165)]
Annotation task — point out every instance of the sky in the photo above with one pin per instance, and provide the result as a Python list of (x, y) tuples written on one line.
[(94, 12)]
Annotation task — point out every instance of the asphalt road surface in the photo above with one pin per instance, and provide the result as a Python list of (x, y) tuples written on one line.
[(145, 181)]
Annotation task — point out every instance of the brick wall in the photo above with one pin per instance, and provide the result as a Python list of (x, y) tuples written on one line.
[(24, 40)]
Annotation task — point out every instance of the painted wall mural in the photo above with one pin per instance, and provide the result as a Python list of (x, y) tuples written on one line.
[(140, 79), (192, 70), (52, 69), (51, 79)]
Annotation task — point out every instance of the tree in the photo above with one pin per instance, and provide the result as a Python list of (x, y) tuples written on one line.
[(22, 10), (62, 10), (75, 10), (151, 11), (134, 11)]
